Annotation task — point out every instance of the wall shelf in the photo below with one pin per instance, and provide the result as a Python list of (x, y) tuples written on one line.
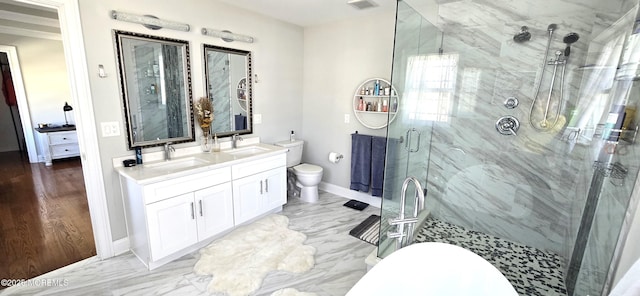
[(387, 103)]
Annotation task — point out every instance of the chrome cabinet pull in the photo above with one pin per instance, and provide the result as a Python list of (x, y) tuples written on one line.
[(261, 187), (193, 211), (266, 181), (200, 202)]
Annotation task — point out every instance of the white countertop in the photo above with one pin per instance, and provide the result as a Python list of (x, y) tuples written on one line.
[(153, 171)]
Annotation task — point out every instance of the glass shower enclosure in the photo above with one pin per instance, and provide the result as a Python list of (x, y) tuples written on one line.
[(519, 120)]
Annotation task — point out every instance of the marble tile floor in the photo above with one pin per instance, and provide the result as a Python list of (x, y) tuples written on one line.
[(339, 262), (531, 271)]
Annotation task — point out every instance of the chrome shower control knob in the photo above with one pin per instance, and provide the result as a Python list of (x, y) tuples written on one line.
[(511, 102), (508, 125)]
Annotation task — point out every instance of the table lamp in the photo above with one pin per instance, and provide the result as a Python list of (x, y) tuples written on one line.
[(66, 109)]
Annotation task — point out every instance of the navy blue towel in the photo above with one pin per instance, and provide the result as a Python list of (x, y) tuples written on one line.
[(360, 162), (378, 151), (241, 122)]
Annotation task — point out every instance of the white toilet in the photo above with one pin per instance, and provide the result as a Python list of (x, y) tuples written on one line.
[(307, 176)]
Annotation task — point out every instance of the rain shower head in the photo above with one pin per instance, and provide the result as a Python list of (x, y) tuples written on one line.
[(523, 35), (570, 39)]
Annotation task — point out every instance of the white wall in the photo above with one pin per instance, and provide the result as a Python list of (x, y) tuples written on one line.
[(277, 60), (45, 79), (338, 57)]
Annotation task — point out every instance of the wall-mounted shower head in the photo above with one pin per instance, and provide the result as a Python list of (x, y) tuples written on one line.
[(570, 39), (523, 35), (552, 27)]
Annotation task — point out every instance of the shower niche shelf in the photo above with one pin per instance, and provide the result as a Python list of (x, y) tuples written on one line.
[(375, 111)]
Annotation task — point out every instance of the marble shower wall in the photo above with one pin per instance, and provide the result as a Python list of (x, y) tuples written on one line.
[(523, 188)]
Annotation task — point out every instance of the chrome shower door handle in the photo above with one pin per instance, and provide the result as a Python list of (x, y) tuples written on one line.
[(508, 125), (407, 145)]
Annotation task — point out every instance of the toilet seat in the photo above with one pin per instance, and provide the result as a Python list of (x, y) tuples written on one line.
[(307, 169)]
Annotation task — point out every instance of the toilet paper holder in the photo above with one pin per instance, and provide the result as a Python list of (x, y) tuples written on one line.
[(335, 157)]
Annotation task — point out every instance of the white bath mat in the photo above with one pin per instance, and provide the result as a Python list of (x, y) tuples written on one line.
[(240, 260)]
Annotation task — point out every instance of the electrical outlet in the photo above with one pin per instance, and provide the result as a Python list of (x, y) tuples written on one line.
[(257, 118), (110, 129), (347, 118)]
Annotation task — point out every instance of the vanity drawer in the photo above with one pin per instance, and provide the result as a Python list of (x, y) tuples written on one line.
[(61, 151), (257, 166), (63, 138), (181, 185)]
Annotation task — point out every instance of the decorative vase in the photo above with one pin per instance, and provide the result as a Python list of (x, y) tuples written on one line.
[(206, 143)]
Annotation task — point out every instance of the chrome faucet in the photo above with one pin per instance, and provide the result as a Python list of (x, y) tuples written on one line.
[(405, 237), (234, 140), (167, 151)]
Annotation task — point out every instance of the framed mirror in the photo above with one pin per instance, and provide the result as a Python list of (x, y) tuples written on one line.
[(155, 82), (228, 81)]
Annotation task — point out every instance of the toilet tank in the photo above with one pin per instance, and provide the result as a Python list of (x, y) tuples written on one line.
[(294, 155)]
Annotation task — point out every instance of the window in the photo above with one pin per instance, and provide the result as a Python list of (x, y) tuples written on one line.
[(430, 86)]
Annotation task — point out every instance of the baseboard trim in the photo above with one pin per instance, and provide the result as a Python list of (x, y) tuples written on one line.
[(121, 246), (351, 194)]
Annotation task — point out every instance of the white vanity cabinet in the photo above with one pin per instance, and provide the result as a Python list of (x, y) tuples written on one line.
[(258, 187), (173, 215), (169, 215)]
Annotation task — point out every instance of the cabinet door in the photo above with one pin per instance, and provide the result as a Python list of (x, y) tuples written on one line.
[(275, 193), (214, 210), (171, 225), (247, 198), (259, 193)]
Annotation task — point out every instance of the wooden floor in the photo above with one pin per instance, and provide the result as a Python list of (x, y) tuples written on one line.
[(44, 217)]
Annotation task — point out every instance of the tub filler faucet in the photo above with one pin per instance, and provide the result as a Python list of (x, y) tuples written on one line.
[(404, 235)]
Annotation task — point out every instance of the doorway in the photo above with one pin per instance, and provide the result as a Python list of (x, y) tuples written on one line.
[(45, 217)]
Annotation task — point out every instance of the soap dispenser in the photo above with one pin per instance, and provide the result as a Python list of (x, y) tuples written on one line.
[(216, 144), (292, 137)]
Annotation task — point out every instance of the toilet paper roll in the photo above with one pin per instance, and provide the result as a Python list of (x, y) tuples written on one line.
[(335, 157)]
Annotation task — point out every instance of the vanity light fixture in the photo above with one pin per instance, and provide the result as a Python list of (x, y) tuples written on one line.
[(227, 36), (149, 21)]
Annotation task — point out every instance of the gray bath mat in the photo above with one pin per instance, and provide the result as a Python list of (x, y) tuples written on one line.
[(368, 230)]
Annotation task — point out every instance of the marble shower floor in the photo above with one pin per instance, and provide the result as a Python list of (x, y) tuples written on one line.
[(529, 270), (339, 262)]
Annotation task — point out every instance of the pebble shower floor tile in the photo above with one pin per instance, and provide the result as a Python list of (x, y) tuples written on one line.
[(531, 271)]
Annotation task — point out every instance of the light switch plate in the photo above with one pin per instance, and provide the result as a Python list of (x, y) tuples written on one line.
[(110, 129), (347, 118), (257, 118)]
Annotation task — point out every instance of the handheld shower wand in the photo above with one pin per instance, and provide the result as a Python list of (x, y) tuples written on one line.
[(551, 28)]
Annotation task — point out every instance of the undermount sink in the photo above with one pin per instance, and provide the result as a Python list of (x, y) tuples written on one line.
[(246, 151), (177, 164)]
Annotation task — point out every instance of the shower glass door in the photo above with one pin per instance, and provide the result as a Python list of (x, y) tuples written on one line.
[(541, 196), (421, 92)]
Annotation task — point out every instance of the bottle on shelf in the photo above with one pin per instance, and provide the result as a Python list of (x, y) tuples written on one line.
[(149, 70), (376, 88), (361, 104), (379, 105), (385, 105), (156, 69), (367, 92)]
